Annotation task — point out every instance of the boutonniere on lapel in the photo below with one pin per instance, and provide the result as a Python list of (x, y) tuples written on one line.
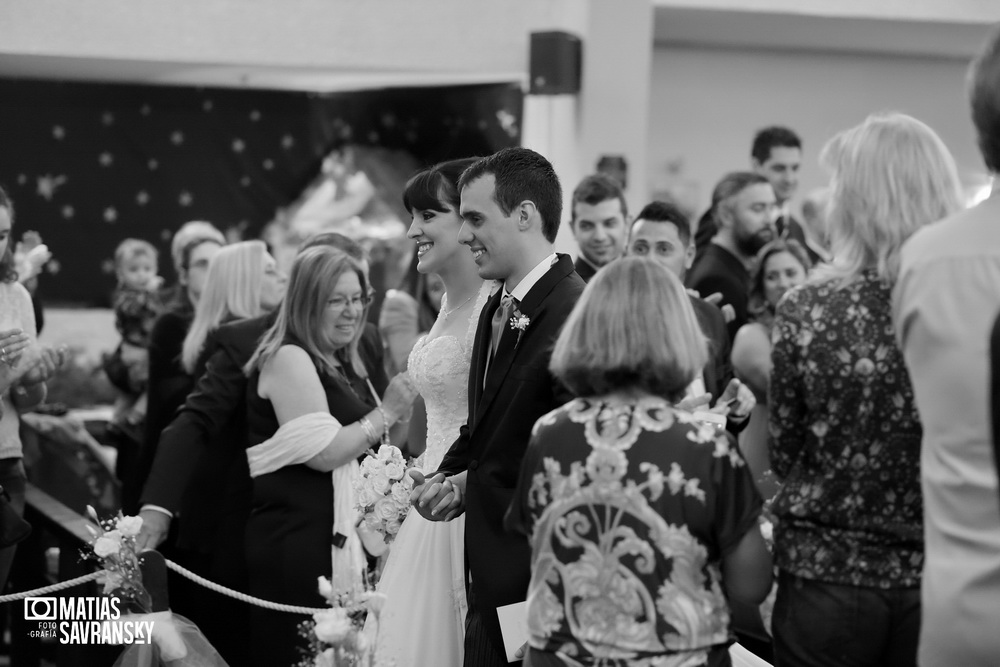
[(519, 321)]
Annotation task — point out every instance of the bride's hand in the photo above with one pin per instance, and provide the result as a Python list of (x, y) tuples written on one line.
[(436, 498)]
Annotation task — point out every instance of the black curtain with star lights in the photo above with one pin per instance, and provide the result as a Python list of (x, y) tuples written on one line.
[(89, 164)]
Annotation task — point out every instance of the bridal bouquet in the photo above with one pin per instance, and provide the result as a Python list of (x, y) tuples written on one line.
[(382, 492), (336, 635)]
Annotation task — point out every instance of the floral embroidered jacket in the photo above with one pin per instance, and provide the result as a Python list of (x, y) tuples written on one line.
[(630, 507), (845, 439)]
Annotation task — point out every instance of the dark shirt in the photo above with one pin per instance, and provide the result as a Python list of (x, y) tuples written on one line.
[(846, 439), (626, 502), (584, 269), (721, 271), (136, 311)]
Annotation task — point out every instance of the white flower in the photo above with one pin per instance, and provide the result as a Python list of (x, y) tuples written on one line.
[(105, 547), (380, 484), (520, 321), (392, 525), (325, 588), (389, 453), (325, 659), (401, 494), (385, 509), (395, 469), (129, 525), (366, 497), (112, 580), (332, 625)]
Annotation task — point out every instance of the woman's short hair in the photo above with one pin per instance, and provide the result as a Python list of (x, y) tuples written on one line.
[(232, 290), (313, 277), (758, 305), (8, 273), (890, 176), (633, 329), (191, 235)]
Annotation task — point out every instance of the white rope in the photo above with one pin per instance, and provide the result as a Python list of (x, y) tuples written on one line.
[(211, 585), (249, 599), (51, 589)]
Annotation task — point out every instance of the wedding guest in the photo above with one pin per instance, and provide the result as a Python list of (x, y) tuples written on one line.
[(243, 281), (24, 368), (781, 265), (168, 382), (744, 211), (599, 222), (845, 429), (944, 305), (306, 379), (662, 233), (637, 516), (210, 430), (136, 304), (775, 154)]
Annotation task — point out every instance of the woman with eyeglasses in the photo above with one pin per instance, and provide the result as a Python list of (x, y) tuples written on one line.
[(312, 409)]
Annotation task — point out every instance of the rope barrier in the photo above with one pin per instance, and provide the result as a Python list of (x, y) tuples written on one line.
[(51, 589), (218, 588), (183, 571)]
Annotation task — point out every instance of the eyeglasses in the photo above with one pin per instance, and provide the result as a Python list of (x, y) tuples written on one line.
[(340, 302)]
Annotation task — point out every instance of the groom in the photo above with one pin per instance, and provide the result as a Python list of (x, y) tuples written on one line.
[(511, 207)]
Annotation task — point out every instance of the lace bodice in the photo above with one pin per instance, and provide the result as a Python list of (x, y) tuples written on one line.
[(439, 369)]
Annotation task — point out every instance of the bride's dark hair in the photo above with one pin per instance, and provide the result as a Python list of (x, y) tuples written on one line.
[(436, 188), (433, 189)]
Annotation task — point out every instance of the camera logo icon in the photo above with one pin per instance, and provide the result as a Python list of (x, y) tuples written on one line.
[(41, 609)]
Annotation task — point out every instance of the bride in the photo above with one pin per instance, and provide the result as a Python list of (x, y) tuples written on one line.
[(423, 620)]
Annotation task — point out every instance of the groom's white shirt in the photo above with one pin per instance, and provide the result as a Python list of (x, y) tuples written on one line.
[(529, 280), (524, 287)]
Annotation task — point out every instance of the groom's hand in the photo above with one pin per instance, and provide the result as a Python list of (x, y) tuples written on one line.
[(436, 498)]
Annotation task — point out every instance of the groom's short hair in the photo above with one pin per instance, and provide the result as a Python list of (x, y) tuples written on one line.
[(520, 174)]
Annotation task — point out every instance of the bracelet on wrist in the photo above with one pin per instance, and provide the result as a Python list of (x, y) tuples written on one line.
[(371, 435)]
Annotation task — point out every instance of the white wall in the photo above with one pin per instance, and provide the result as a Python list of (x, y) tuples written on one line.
[(706, 105)]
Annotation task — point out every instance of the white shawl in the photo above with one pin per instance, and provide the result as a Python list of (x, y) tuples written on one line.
[(296, 442)]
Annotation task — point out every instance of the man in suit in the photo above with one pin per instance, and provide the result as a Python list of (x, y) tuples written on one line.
[(511, 205), (662, 233), (745, 214), (599, 222)]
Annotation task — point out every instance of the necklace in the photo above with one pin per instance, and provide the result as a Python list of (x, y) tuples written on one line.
[(445, 314)]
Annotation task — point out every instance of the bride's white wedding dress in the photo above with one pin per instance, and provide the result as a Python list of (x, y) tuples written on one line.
[(423, 620)]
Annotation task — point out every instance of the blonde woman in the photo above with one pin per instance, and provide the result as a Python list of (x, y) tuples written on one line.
[(641, 522), (845, 430), (312, 409), (243, 281)]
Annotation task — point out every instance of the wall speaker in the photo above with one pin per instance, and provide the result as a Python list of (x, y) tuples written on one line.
[(555, 63)]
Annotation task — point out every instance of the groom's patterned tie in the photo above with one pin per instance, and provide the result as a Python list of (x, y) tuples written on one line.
[(500, 318)]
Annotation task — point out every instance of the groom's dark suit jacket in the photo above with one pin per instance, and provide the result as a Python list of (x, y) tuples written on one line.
[(503, 408)]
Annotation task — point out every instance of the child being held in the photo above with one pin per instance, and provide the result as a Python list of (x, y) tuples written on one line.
[(137, 303)]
